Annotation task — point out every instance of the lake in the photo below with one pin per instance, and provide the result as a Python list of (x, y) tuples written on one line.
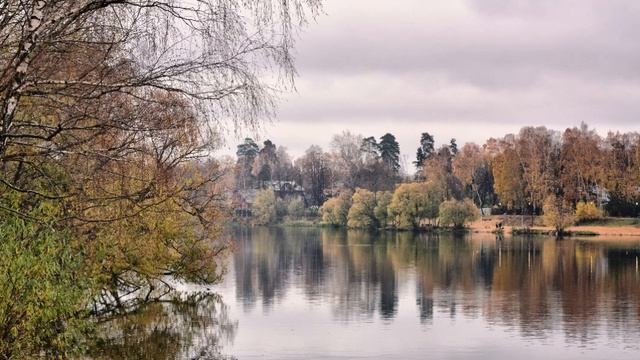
[(293, 293)]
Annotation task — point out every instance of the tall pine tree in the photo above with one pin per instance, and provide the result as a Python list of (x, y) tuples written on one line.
[(390, 152), (425, 150)]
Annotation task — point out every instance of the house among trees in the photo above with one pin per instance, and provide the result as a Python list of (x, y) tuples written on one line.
[(286, 190), (242, 199)]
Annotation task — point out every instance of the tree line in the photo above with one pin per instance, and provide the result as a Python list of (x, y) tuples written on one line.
[(352, 162), (515, 174)]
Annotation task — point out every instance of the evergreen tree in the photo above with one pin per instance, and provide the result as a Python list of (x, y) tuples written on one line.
[(425, 150), (453, 147), (390, 152), (266, 161), (247, 153), (370, 148), (248, 148)]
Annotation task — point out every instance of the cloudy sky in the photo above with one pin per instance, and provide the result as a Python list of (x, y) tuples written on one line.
[(468, 69)]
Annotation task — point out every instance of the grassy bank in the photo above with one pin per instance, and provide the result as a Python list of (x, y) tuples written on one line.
[(511, 224)]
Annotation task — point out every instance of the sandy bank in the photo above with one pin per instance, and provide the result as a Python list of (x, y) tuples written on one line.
[(488, 225)]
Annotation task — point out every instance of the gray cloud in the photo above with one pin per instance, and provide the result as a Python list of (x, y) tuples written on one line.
[(463, 68)]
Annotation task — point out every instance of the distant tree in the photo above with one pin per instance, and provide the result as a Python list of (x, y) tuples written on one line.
[(370, 150), (438, 170), (457, 213), (558, 213), (336, 210), (295, 209), (580, 164), (466, 164), (246, 153), (346, 158), (427, 146), (264, 207), (538, 150), (621, 154), (383, 199), (362, 212), (509, 183), (483, 185), (453, 147), (376, 176), (378, 169), (284, 169), (390, 152), (248, 148), (315, 173), (413, 202), (265, 162), (269, 148), (435, 195)]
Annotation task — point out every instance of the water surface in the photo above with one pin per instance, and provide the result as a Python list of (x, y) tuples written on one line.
[(332, 294)]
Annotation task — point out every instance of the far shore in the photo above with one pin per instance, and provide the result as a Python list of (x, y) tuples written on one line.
[(618, 227)]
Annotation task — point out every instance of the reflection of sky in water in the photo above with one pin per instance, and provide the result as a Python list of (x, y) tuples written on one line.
[(309, 293)]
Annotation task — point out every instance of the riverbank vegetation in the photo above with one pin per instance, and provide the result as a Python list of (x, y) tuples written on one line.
[(109, 111), (570, 177)]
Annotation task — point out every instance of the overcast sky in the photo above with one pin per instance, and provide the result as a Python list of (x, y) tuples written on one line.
[(468, 69)]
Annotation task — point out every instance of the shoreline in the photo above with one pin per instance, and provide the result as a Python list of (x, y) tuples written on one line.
[(488, 225)]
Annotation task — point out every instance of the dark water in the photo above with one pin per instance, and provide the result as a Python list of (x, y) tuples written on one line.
[(323, 293)]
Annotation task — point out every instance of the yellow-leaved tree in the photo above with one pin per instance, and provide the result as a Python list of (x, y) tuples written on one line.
[(558, 213), (362, 212)]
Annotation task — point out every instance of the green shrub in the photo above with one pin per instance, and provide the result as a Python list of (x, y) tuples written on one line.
[(457, 213), (362, 212)]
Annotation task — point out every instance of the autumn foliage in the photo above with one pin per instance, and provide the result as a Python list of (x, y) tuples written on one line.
[(109, 112)]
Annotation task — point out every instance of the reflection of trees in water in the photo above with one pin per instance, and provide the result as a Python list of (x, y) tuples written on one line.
[(363, 277), (194, 326), (266, 259), (536, 285)]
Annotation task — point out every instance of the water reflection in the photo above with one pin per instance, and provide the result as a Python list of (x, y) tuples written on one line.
[(328, 293), (586, 289), (193, 326)]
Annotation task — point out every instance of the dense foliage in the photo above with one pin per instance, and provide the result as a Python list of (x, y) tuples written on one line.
[(264, 208), (362, 212), (588, 211), (335, 211), (109, 111), (413, 202), (43, 295), (457, 213)]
